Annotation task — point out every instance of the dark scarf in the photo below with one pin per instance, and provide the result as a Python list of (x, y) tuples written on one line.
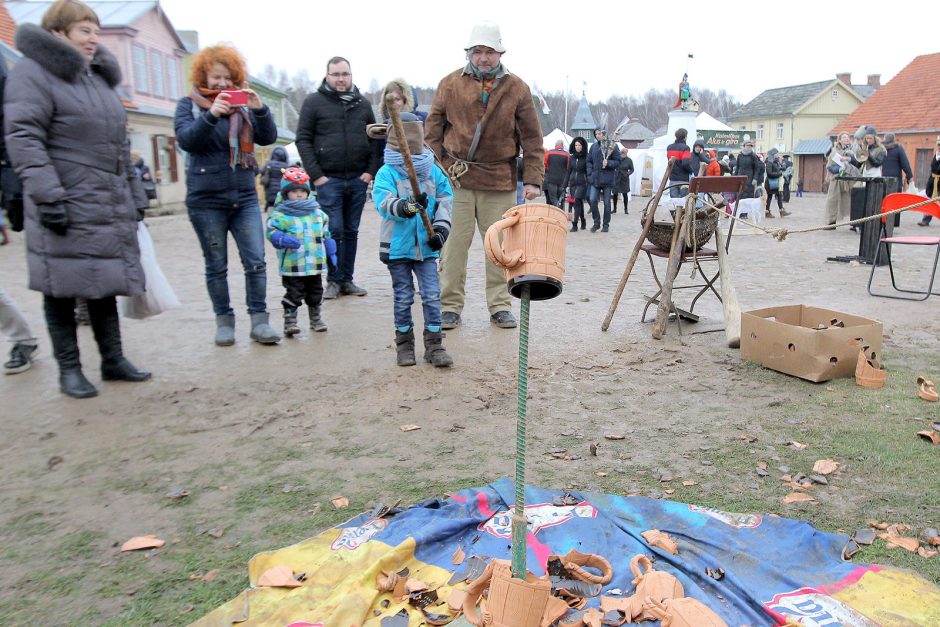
[(241, 134)]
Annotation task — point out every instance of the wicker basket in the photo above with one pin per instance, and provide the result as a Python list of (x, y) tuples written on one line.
[(660, 233)]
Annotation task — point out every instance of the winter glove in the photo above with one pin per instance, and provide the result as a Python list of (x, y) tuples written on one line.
[(405, 208), (422, 199), (280, 239), (54, 218), (330, 244), (436, 241)]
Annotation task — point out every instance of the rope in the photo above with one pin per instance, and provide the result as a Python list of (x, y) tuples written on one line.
[(518, 519), (781, 234)]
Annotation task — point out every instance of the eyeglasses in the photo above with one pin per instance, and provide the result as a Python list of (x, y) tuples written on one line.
[(339, 74)]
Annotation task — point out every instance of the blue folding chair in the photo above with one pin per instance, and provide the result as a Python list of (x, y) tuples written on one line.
[(898, 201)]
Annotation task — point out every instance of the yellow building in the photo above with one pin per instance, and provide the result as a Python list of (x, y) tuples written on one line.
[(796, 120)]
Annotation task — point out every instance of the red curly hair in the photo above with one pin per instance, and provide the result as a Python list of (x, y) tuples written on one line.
[(227, 56)]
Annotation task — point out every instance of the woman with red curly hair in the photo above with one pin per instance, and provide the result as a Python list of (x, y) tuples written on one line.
[(220, 137)]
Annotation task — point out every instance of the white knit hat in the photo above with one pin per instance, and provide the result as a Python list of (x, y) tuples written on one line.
[(486, 34)]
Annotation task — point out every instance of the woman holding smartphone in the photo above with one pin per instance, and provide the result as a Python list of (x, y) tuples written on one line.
[(219, 125), (66, 134)]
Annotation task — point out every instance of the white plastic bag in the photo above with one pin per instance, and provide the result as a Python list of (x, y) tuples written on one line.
[(158, 295)]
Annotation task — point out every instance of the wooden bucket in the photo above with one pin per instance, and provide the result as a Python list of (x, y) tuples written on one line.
[(511, 602), (532, 250)]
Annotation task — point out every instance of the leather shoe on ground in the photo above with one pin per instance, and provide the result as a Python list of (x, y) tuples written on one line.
[(450, 320), (331, 291), (595, 228), (21, 358), (503, 319), (605, 229), (351, 289)]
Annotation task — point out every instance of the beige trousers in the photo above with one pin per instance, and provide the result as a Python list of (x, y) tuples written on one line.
[(838, 200), (480, 209)]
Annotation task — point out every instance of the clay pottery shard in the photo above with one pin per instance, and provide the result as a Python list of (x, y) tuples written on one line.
[(684, 612), (653, 584), (661, 540), (434, 618), (930, 536), (566, 499), (555, 608), (398, 620), (867, 375), (455, 600), (797, 497), (458, 557), (593, 617), (510, 601), (278, 577), (136, 543), (927, 390), (864, 536), (825, 466), (576, 563), (930, 436), (422, 598), (908, 544)]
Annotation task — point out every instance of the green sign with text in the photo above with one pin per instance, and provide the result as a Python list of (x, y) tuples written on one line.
[(726, 140)]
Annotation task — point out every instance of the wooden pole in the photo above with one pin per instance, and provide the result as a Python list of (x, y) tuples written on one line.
[(676, 251), (647, 224), (729, 298), (406, 157)]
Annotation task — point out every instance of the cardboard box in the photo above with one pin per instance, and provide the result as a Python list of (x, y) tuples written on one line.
[(646, 187), (785, 339)]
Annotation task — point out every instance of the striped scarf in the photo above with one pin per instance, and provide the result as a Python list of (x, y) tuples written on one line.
[(487, 79), (422, 162), (241, 135)]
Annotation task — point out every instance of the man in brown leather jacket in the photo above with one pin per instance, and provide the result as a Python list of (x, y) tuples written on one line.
[(480, 118)]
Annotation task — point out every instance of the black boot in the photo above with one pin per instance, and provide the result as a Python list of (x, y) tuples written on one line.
[(290, 322), (107, 328), (434, 352), (316, 321), (405, 347), (60, 320)]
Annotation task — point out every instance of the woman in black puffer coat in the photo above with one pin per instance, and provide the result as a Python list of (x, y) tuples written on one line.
[(576, 180), (66, 134)]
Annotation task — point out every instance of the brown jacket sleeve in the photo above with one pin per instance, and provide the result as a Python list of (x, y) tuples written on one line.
[(530, 135)]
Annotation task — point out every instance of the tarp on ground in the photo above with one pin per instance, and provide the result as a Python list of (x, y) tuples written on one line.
[(775, 568)]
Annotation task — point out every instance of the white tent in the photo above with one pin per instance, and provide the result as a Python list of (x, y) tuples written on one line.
[(548, 142), (705, 122)]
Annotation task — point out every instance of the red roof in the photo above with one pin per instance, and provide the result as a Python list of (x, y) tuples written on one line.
[(908, 102), (7, 26)]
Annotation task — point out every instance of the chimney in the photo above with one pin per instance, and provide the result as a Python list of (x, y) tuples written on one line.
[(874, 80), (845, 77)]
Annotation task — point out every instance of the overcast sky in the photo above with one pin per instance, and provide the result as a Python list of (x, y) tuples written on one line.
[(601, 46)]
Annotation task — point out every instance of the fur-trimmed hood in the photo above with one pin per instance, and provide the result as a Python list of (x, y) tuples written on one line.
[(61, 59), (403, 86)]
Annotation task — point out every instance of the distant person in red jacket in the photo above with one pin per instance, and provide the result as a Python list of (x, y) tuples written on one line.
[(680, 171)]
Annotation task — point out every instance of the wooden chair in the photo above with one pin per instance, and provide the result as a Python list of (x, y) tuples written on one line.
[(711, 184), (897, 201)]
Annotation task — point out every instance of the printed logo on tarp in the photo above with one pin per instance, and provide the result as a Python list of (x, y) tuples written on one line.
[(354, 537), (809, 606), (537, 517), (742, 521)]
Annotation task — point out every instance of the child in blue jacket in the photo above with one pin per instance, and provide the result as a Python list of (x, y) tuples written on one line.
[(406, 246), (299, 230)]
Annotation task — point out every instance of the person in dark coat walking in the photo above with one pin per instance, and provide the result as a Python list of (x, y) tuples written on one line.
[(681, 172), (622, 184), (602, 164), (220, 183), (576, 181), (66, 132), (773, 184), (271, 175), (556, 167), (749, 164), (341, 160)]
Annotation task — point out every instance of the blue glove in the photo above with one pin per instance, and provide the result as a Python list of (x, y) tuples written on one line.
[(330, 244), (280, 239)]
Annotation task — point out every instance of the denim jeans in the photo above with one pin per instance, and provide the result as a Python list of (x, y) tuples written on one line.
[(595, 195), (212, 227), (342, 200), (403, 290), (678, 191)]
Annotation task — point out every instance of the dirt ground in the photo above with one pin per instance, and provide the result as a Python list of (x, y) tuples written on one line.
[(324, 410)]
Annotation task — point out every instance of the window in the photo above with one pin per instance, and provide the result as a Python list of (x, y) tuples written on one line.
[(760, 131), (156, 74), (779, 130), (835, 94), (164, 159), (173, 78), (140, 69)]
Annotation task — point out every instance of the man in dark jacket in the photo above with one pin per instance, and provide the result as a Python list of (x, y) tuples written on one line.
[(681, 170), (556, 166), (896, 163), (341, 161), (602, 164), (749, 165)]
